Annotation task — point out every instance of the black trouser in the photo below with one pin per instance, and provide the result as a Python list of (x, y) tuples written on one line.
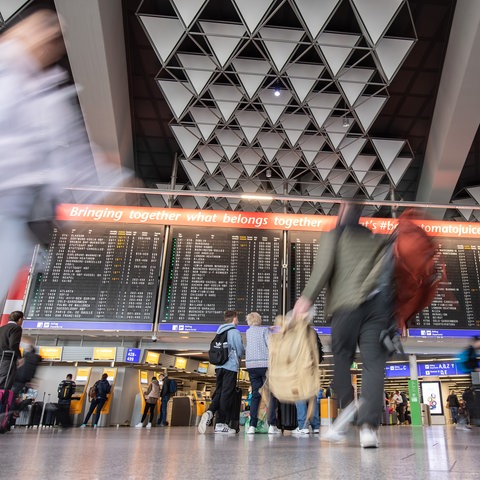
[(149, 407), (63, 414), (362, 326), (222, 400)]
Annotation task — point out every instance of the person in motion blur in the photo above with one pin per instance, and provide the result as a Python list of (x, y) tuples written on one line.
[(43, 143), (352, 262)]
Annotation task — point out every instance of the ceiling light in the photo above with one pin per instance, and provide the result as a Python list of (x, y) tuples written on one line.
[(256, 197), (277, 89), (268, 173), (346, 122)]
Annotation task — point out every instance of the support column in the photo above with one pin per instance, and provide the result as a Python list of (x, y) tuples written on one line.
[(414, 393)]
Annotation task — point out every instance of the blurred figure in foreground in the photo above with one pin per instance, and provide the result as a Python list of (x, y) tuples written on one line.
[(43, 143), (352, 263)]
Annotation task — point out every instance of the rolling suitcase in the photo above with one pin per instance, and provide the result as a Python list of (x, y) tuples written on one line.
[(7, 397), (287, 416), (36, 414), (50, 416), (235, 412)]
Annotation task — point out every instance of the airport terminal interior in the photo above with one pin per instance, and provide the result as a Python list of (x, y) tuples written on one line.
[(247, 124)]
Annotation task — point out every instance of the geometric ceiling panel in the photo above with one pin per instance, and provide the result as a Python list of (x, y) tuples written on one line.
[(391, 53), (381, 192), (280, 43), (198, 68), (387, 150), (206, 120), (251, 73), (371, 181), (315, 190), (466, 212), (164, 34), (229, 141), (321, 106), (335, 130), (270, 143), (274, 106), (376, 15), (398, 168), (188, 10), (231, 173), (227, 98), (367, 109), (252, 11), (315, 13), (212, 155), (303, 77), (311, 145), (350, 148), (223, 38), (294, 125), (353, 81), (176, 94), (362, 165), (348, 190), (195, 170), (325, 161), (250, 122), (9, 7), (337, 178), (474, 192), (187, 137), (287, 160), (250, 158), (336, 48)]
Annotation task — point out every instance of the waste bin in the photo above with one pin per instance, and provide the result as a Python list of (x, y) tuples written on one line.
[(426, 417)]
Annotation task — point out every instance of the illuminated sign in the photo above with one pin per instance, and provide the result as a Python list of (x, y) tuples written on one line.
[(133, 355), (397, 370), (82, 375), (437, 369), (51, 353), (104, 353), (202, 367), (152, 357), (432, 396), (143, 377), (180, 363)]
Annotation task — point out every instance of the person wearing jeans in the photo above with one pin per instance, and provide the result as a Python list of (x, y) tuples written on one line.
[(313, 421), (102, 391)]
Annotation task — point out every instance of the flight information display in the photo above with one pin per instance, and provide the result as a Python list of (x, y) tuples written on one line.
[(303, 251), (213, 270), (457, 303), (95, 274)]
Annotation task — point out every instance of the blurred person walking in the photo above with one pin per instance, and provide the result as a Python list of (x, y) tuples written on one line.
[(351, 262)]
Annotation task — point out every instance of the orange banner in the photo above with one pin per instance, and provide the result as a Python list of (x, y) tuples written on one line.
[(255, 220)]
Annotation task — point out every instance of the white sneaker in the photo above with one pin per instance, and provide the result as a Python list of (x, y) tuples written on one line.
[(273, 430), (301, 431), (139, 425), (149, 425), (251, 430), (316, 430), (206, 418), (368, 437), (333, 435), (224, 428)]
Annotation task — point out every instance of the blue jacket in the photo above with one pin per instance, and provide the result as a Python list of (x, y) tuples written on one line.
[(235, 348)]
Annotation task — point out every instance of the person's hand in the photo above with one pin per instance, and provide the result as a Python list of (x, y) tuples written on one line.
[(301, 307)]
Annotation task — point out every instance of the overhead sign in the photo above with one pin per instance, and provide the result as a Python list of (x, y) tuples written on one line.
[(51, 353), (397, 370), (152, 357), (132, 355), (104, 353), (437, 369), (180, 363)]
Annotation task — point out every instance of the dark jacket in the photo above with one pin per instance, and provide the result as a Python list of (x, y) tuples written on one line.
[(10, 337), (26, 372), (165, 391), (72, 386), (103, 389)]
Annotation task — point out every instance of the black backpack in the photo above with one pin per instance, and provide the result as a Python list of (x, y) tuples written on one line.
[(218, 353), (65, 390), (404, 399)]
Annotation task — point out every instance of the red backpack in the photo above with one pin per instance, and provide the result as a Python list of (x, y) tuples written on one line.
[(417, 272)]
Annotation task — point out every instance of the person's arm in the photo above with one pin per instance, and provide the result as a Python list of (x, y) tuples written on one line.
[(236, 339), (15, 339)]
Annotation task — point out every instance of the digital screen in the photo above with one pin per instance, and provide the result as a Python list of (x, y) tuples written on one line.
[(213, 270), (457, 303), (432, 396), (132, 355), (202, 367), (97, 276), (303, 251)]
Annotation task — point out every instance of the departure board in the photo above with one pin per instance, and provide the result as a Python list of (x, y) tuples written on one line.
[(97, 272), (457, 303), (213, 270), (303, 251)]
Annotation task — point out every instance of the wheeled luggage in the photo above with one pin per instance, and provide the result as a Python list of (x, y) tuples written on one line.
[(7, 397), (286, 416), (235, 411), (36, 414), (50, 415)]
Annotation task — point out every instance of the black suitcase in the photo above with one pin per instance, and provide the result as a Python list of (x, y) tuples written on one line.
[(36, 414), (286, 416), (50, 416), (235, 411)]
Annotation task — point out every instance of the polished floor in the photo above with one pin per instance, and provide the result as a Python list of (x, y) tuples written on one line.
[(436, 452)]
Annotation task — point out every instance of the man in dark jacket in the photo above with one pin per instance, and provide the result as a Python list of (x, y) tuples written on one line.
[(66, 389), (165, 397), (10, 337), (352, 263), (26, 371), (102, 389)]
